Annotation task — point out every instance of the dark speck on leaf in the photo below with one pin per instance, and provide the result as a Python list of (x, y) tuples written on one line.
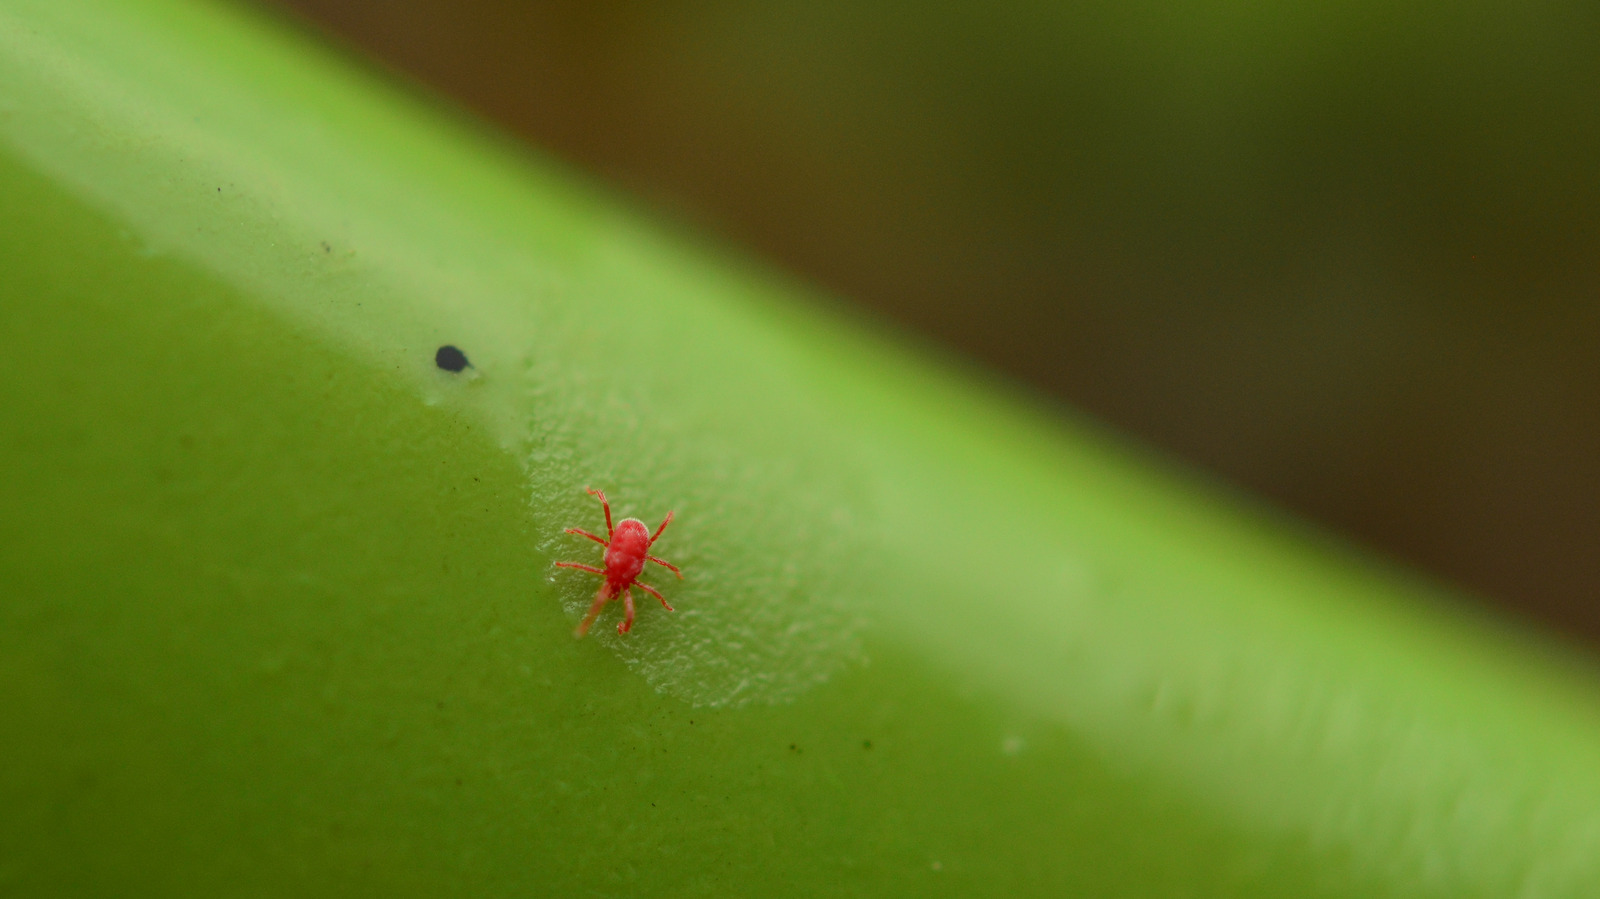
[(450, 359)]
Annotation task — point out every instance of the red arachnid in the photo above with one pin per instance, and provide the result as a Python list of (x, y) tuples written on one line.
[(627, 549)]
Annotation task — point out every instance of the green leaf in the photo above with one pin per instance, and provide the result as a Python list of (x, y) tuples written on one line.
[(280, 614)]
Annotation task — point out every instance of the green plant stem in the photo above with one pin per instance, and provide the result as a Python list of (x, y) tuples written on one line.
[(279, 614)]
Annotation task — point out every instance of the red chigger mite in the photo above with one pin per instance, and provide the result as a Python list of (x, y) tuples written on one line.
[(627, 549)]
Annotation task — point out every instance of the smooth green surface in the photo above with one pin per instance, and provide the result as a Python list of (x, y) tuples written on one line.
[(279, 615)]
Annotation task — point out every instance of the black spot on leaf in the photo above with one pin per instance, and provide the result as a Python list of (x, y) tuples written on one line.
[(450, 359)]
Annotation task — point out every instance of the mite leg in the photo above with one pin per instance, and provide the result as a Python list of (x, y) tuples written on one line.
[(664, 523), (600, 599), (652, 591), (665, 564), (581, 567), (606, 506), (627, 619), (583, 533)]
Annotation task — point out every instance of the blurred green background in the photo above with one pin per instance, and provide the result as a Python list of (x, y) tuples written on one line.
[(1341, 253)]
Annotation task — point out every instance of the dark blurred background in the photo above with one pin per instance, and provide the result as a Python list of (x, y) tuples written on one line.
[(1345, 253)]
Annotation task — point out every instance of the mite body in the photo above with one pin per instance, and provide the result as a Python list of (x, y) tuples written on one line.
[(627, 549)]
